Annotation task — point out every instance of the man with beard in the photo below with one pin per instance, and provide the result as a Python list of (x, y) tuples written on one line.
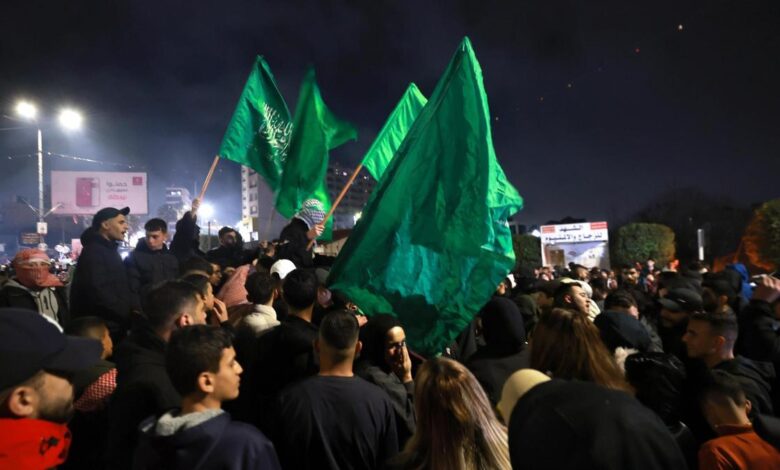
[(36, 393), (33, 287), (230, 253), (100, 287)]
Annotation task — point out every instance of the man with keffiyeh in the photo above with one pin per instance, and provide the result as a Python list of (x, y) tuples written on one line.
[(306, 225)]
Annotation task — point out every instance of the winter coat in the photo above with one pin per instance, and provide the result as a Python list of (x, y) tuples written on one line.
[(145, 268), (16, 295), (100, 286), (231, 256), (143, 389), (759, 332), (186, 240), (293, 242), (756, 378), (204, 440)]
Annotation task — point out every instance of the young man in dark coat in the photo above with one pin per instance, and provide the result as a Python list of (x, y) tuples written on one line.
[(230, 253), (100, 286), (33, 287), (143, 385), (305, 226), (202, 365), (151, 263), (186, 240)]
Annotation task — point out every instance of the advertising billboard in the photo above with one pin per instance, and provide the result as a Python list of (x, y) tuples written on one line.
[(586, 244), (86, 192)]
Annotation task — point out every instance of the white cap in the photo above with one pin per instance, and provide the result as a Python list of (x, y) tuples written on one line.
[(282, 268)]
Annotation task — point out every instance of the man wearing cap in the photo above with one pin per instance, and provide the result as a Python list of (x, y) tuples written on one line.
[(33, 287), (36, 393), (676, 309), (100, 286), (306, 225)]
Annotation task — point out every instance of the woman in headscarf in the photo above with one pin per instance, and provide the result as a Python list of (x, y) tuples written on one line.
[(306, 225), (384, 361)]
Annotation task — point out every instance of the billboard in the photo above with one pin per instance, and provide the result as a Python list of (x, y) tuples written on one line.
[(86, 192), (586, 244)]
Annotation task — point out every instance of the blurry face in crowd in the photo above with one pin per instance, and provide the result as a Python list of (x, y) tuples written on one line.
[(108, 344), (228, 377), (196, 316), (501, 289), (47, 396), (395, 343), (156, 240), (581, 274), (670, 319), (630, 275), (723, 410), (699, 340), (215, 278), (229, 239), (579, 298), (712, 302), (115, 228)]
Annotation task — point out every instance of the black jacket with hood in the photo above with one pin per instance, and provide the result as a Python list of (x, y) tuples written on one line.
[(15, 295), (145, 268), (100, 286), (204, 440), (186, 240)]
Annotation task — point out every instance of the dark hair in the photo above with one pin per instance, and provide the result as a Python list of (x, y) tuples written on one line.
[(339, 329), (373, 336), (620, 299), (166, 301), (260, 287), (721, 385), (196, 263), (87, 327), (300, 289), (720, 323), (658, 379), (562, 291), (200, 283), (156, 225), (225, 230), (192, 351)]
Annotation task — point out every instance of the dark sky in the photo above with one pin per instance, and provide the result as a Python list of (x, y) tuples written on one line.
[(598, 107)]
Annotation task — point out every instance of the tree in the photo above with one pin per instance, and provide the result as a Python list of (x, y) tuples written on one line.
[(762, 236), (528, 251), (640, 241)]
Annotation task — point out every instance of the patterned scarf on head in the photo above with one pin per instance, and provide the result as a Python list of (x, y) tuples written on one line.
[(312, 212)]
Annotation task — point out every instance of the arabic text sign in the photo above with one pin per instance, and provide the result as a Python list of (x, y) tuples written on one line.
[(574, 233), (86, 192)]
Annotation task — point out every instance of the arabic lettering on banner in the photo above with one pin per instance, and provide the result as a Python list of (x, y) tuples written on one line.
[(575, 233)]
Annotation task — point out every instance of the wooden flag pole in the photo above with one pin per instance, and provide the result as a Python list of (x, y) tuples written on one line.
[(337, 201), (208, 178)]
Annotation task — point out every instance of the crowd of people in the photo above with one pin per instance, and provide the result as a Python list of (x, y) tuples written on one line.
[(240, 358)]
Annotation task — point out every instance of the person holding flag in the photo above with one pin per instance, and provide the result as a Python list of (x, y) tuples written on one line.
[(306, 225)]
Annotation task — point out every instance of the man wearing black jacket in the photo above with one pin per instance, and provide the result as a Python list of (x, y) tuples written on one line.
[(186, 240), (151, 263), (305, 226), (143, 385), (100, 286)]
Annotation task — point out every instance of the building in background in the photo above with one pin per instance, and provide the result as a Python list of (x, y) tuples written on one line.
[(348, 212), (177, 202)]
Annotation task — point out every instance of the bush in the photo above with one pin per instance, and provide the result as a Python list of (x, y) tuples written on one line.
[(528, 251), (640, 241), (762, 236)]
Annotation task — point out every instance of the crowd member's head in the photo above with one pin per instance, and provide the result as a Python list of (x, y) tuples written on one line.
[(621, 301), (299, 291), (110, 223), (282, 268), (658, 380), (567, 345), (502, 328), (456, 426), (261, 288), (723, 401), (312, 212), (384, 341), (156, 234), (204, 288), (600, 288), (337, 343), (543, 292), (711, 337), (580, 273), (32, 269), (678, 305), (172, 305), (201, 363), (717, 294), (36, 364), (629, 275), (228, 237), (196, 265), (92, 327), (572, 295)]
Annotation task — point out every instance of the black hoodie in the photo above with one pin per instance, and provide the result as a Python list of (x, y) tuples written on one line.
[(145, 268)]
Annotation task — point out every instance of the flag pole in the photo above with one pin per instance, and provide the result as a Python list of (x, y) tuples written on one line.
[(208, 178), (337, 201)]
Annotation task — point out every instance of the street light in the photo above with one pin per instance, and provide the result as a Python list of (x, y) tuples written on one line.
[(69, 119)]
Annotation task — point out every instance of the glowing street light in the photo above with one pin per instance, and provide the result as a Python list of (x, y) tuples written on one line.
[(70, 119), (26, 110), (206, 210)]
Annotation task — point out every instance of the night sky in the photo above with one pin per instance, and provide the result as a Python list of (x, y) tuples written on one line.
[(598, 107)]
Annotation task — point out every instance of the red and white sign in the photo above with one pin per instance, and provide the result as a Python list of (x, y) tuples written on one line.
[(574, 233), (86, 192)]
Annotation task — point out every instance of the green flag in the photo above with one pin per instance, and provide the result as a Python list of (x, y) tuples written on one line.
[(315, 131), (393, 132), (433, 242), (259, 133)]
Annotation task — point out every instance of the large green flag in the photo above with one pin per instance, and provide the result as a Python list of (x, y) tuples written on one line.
[(315, 131), (433, 242), (393, 132), (259, 133)]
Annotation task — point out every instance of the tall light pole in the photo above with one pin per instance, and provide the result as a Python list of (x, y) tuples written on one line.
[(68, 118)]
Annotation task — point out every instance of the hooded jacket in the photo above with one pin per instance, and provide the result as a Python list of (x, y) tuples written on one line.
[(145, 268), (143, 389), (186, 240), (100, 286), (755, 378), (204, 440), (13, 294), (293, 242)]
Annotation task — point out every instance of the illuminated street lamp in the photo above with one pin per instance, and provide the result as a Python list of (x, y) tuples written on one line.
[(69, 120)]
